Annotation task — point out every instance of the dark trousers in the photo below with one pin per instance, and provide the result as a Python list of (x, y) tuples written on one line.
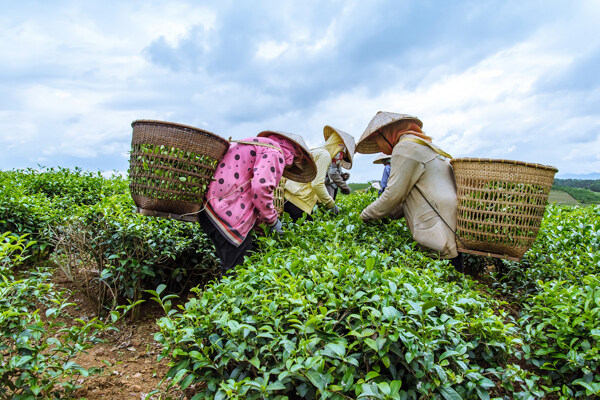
[(229, 255), (332, 191), (458, 262), (295, 212)]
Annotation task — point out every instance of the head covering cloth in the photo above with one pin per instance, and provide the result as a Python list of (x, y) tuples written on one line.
[(385, 129), (333, 138), (302, 167)]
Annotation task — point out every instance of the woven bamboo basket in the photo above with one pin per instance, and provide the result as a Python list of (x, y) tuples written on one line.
[(278, 198), (171, 166), (501, 204)]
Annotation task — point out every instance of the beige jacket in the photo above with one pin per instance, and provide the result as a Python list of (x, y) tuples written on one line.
[(415, 164)]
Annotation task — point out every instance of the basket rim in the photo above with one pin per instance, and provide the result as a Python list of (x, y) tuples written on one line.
[(178, 125), (503, 161)]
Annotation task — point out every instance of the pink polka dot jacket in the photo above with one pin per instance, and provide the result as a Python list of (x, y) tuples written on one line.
[(241, 194)]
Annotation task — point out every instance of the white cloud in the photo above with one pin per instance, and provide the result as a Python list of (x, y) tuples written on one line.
[(271, 49), (73, 76)]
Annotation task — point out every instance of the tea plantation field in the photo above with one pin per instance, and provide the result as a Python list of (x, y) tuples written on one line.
[(330, 309)]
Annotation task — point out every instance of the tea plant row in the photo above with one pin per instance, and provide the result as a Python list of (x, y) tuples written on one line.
[(332, 308), (86, 224), (339, 309)]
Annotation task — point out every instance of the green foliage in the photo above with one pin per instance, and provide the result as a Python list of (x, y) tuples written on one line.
[(557, 287), (76, 185), (580, 194), (561, 323), (87, 224), (170, 173), (591, 184), (36, 353), (566, 249), (333, 308), (131, 252), (358, 186), (338, 309), (556, 196), (34, 202)]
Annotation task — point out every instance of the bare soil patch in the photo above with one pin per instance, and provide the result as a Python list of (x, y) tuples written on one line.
[(129, 356)]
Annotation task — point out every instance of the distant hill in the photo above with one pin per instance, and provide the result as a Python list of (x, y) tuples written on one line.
[(590, 184), (593, 175), (581, 195)]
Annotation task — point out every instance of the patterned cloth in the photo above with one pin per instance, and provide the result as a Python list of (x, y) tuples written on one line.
[(241, 194)]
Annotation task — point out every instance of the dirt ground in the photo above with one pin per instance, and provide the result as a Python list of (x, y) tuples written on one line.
[(129, 356)]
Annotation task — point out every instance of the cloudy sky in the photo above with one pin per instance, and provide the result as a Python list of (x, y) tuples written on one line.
[(516, 80)]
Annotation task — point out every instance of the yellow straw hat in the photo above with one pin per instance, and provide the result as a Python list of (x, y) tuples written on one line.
[(366, 144), (308, 170), (348, 142)]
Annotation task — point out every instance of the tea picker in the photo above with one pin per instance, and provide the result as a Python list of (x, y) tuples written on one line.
[(336, 179), (385, 160), (300, 197), (419, 171), (229, 192), (452, 206)]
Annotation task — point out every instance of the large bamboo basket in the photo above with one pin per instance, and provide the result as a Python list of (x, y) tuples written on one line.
[(501, 204), (171, 166)]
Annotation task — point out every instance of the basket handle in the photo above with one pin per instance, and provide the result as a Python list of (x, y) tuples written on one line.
[(258, 144)]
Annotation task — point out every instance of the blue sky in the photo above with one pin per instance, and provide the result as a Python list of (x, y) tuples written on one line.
[(514, 80)]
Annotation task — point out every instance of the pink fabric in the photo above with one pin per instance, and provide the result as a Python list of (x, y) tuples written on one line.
[(241, 194), (289, 149)]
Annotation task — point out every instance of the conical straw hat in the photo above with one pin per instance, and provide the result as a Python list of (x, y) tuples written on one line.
[(348, 142), (380, 157), (308, 171), (366, 144)]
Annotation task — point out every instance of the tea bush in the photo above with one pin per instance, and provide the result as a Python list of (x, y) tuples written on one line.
[(566, 249), (556, 285), (33, 202), (76, 185), (121, 253), (561, 325), (36, 352), (87, 223), (340, 309)]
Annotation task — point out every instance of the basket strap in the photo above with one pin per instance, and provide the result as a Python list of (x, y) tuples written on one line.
[(258, 144), (424, 143), (443, 220)]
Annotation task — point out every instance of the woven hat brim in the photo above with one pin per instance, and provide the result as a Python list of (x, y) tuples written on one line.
[(348, 140), (380, 158), (308, 170), (367, 144)]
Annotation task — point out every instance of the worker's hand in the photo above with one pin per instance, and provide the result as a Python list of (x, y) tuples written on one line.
[(276, 226), (346, 190), (364, 217), (334, 210)]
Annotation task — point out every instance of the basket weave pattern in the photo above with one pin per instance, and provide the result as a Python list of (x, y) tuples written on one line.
[(278, 198), (501, 204), (171, 165)]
